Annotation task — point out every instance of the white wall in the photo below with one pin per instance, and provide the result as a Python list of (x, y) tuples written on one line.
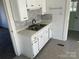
[(3, 17), (61, 21), (58, 11), (58, 21)]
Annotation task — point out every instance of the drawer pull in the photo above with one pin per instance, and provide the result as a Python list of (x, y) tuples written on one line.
[(35, 42)]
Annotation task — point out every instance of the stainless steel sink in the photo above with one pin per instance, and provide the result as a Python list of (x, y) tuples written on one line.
[(36, 27)]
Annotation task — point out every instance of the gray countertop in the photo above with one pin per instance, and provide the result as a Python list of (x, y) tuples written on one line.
[(26, 33), (30, 32)]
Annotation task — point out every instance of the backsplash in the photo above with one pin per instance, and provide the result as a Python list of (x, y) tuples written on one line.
[(46, 17), (34, 14)]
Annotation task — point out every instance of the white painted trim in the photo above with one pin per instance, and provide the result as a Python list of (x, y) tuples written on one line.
[(12, 27), (66, 20)]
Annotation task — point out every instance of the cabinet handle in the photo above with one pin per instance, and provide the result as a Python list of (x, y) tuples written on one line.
[(26, 5), (35, 42), (32, 5)]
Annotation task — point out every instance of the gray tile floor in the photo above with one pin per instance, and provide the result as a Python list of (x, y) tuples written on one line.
[(70, 50)]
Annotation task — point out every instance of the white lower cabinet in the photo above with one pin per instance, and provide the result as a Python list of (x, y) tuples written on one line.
[(32, 43), (41, 42)]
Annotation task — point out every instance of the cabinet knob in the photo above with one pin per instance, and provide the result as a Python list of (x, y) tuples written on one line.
[(25, 17)]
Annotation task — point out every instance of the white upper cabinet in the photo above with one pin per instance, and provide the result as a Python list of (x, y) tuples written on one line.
[(43, 3), (19, 10), (52, 6), (33, 4)]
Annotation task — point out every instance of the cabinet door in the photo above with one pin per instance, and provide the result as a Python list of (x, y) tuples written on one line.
[(22, 9), (43, 38), (43, 6), (33, 4), (35, 44), (19, 10), (35, 49), (41, 41), (39, 3)]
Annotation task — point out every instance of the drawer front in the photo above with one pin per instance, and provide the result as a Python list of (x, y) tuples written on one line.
[(41, 42), (43, 38)]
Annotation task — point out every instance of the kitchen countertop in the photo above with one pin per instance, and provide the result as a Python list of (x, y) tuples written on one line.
[(31, 32), (42, 22), (26, 33)]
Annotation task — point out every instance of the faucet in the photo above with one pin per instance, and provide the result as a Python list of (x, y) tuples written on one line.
[(33, 21)]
